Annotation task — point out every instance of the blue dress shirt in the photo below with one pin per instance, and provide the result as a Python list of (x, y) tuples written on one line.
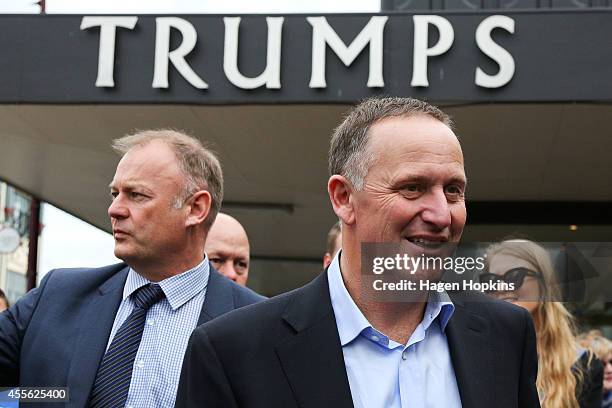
[(386, 374), (169, 324)]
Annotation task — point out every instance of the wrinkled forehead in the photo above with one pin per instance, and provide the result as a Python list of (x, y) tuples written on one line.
[(227, 246), (155, 153), (153, 162), (226, 233), (417, 146), (420, 134)]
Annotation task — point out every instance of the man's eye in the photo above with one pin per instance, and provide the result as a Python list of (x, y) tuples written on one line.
[(113, 195), (455, 191), (412, 189)]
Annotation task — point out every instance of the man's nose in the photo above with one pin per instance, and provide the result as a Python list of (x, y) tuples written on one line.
[(229, 271), (437, 211), (118, 209)]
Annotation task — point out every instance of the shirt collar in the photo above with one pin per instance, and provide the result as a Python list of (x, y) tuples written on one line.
[(350, 320), (439, 305), (178, 289)]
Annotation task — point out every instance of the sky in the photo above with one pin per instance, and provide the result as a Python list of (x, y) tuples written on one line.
[(67, 241), (191, 6)]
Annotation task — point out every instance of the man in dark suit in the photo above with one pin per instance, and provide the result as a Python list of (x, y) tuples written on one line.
[(115, 336), (397, 176)]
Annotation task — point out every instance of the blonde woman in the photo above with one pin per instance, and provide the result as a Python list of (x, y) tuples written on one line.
[(602, 348), (568, 376)]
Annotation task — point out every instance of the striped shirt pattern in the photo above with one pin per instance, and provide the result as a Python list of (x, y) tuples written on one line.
[(168, 325)]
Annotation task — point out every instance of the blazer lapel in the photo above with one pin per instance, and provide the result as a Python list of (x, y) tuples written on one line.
[(312, 360), (96, 323), (219, 297), (472, 357)]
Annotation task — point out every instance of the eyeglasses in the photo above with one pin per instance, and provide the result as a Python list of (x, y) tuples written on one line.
[(514, 276)]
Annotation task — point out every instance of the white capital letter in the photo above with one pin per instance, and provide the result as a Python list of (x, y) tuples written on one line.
[(106, 54), (421, 40), (495, 52), (323, 34), (177, 56), (270, 77)]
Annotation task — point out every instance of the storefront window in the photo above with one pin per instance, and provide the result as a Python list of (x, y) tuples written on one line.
[(15, 215)]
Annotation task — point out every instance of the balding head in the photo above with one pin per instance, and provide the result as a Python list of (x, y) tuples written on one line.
[(227, 247)]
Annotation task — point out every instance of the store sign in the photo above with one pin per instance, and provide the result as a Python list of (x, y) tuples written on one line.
[(323, 36), (459, 57)]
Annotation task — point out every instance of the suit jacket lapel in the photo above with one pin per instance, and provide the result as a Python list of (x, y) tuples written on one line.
[(312, 360), (96, 323), (219, 298), (472, 357)]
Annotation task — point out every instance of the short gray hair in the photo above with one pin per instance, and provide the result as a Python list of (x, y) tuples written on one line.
[(199, 164), (349, 155)]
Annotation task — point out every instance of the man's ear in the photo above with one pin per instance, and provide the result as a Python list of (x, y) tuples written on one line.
[(199, 208), (340, 194)]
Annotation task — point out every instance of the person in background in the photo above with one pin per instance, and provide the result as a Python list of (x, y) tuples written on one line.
[(4, 303), (568, 376), (607, 385), (227, 247), (602, 348), (334, 243)]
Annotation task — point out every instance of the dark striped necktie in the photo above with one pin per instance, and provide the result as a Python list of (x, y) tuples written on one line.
[(115, 373)]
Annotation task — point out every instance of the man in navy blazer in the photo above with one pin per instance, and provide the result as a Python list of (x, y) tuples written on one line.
[(396, 177), (166, 193)]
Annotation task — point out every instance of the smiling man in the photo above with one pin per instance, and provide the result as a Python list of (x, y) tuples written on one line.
[(396, 177), (115, 336)]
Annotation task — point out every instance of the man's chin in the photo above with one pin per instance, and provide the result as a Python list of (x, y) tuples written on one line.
[(441, 250), (123, 253), (424, 274)]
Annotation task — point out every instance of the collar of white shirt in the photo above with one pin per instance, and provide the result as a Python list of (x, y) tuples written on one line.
[(179, 289)]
